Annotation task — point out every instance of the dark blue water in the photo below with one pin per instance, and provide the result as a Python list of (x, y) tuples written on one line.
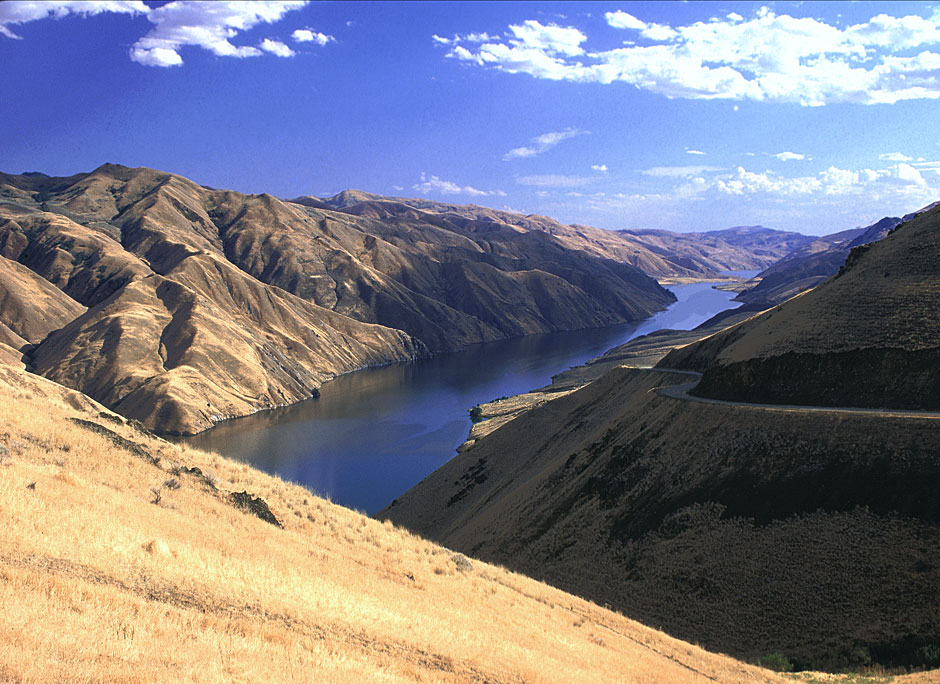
[(375, 433)]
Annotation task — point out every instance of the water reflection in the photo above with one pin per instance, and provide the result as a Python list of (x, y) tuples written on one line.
[(374, 434)]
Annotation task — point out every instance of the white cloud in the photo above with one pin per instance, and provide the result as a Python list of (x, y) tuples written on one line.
[(688, 151), (768, 57), (679, 171), (551, 39), (542, 143), (898, 181), (310, 36), (554, 181), (445, 187), (533, 48), (622, 20), (276, 47), (790, 156), (467, 38), (209, 25), (13, 13), (894, 156), (600, 168), (909, 174)]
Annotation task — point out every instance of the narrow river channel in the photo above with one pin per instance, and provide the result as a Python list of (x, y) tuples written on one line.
[(373, 434)]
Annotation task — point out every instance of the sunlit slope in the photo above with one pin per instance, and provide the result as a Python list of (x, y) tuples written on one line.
[(869, 336), (660, 253), (185, 305), (119, 561), (748, 531)]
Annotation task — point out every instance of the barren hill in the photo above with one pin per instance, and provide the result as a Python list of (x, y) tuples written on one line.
[(748, 528), (742, 248), (811, 264), (748, 531), (866, 337), (179, 305), (124, 558), (662, 254)]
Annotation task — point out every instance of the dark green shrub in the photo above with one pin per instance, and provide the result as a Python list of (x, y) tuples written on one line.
[(476, 414), (776, 661)]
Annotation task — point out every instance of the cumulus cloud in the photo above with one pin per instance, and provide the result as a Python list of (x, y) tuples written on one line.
[(790, 156), (276, 47), (894, 156), (310, 36), (208, 25), (768, 57), (909, 174), (542, 143), (554, 181), (466, 38), (13, 13), (600, 168), (899, 180), (431, 184), (530, 47), (679, 171)]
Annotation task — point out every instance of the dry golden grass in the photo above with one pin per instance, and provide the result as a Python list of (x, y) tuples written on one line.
[(98, 583)]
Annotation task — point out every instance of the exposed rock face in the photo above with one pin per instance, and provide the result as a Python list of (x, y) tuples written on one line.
[(180, 305), (866, 337), (746, 530)]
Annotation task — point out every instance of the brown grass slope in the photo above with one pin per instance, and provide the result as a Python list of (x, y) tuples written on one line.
[(661, 254), (206, 304), (743, 248), (813, 263), (30, 306), (124, 558), (812, 535), (866, 337)]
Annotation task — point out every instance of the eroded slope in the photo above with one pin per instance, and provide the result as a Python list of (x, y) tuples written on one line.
[(205, 304), (866, 337)]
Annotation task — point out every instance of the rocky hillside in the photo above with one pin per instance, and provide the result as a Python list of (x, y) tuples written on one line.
[(179, 305), (866, 337)]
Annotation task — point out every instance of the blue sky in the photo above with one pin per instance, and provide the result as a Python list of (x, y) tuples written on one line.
[(686, 116)]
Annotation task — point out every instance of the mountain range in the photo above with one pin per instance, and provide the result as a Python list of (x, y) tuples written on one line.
[(180, 305)]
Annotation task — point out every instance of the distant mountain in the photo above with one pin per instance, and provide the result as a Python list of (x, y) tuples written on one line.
[(811, 264), (661, 254), (180, 305), (869, 336), (743, 248)]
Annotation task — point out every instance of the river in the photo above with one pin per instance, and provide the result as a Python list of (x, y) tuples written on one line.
[(373, 434)]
